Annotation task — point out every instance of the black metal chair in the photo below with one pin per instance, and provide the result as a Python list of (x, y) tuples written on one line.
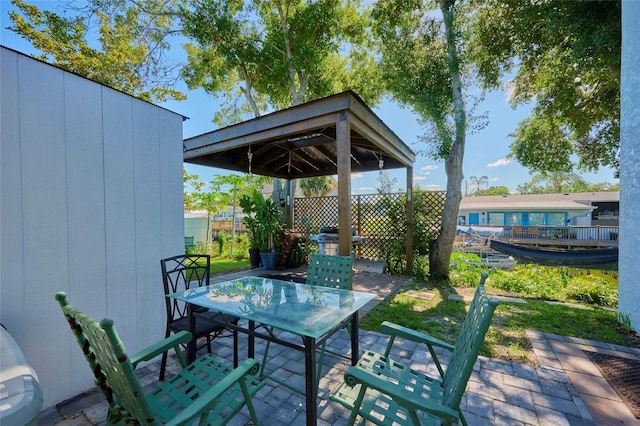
[(180, 273)]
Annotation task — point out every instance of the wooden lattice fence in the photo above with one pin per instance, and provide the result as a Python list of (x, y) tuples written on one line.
[(381, 218)]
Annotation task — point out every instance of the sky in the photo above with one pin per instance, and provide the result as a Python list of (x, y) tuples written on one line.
[(485, 152)]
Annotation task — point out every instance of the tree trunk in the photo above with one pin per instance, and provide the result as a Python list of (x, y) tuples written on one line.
[(441, 248)]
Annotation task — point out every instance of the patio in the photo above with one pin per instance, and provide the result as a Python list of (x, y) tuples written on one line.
[(566, 389)]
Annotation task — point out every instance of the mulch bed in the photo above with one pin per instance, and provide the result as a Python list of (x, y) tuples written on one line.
[(623, 374)]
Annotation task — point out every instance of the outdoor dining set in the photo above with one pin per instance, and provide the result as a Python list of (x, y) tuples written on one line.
[(300, 316)]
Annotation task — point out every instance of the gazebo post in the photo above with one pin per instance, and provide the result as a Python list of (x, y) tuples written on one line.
[(343, 145), (288, 203), (409, 252)]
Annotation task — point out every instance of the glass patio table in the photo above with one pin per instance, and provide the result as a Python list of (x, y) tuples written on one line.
[(312, 312)]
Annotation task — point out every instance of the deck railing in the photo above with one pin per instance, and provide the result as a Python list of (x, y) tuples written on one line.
[(597, 235)]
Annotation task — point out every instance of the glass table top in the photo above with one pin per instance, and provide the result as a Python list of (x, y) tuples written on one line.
[(302, 309)]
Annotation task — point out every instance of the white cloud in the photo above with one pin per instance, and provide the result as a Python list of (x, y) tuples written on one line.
[(493, 179), (419, 177), (433, 187), (356, 175), (366, 188), (429, 168), (499, 163)]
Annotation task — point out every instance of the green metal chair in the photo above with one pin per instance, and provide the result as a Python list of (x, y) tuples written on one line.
[(205, 392), (327, 271), (384, 392), (331, 271)]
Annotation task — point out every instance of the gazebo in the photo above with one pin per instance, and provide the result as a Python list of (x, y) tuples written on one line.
[(336, 135)]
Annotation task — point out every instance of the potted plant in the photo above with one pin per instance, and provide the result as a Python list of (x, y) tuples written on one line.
[(264, 222), (249, 204), (271, 223)]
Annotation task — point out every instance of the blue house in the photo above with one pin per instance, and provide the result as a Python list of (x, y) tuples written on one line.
[(577, 209)]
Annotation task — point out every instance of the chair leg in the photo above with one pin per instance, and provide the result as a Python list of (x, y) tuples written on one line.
[(269, 330), (249, 401), (264, 359), (163, 363)]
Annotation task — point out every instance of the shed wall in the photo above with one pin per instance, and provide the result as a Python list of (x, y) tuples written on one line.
[(91, 199), (628, 265)]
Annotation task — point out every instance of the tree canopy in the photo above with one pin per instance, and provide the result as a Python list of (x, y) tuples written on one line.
[(128, 55), (271, 55), (558, 182), (566, 58), (422, 64)]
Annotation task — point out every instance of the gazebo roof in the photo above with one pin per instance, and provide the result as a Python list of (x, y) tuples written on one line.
[(301, 142)]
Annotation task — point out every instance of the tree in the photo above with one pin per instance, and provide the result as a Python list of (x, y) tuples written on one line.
[(556, 181), (223, 191), (478, 182), (317, 186), (563, 183), (277, 54), (192, 186), (493, 190), (421, 63), (130, 53), (230, 188), (566, 55)]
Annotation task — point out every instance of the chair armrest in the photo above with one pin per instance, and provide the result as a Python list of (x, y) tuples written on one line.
[(172, 342), (406, 333), (355, 375), (208, 400)]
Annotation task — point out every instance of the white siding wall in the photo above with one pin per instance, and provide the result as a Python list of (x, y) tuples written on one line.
[(629, 267), (197, 228), (91, 199)]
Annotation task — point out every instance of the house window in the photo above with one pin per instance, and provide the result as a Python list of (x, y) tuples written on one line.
[(536, 219), (556, 219), (496, 219), (462, 220)]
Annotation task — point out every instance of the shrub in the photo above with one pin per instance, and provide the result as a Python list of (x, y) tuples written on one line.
[(420, 267), (465, 277), (592, 290)]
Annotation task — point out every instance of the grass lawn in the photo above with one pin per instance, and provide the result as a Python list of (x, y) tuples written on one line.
[(506, 338), (220, 265)]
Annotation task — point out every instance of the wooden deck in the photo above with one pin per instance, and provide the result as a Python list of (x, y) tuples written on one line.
[(561, 236), (546, 236)]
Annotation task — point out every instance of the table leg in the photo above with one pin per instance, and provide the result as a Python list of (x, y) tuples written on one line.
[(355, 344), (310, 380), (193, 343), (235, 348), (251, 349)]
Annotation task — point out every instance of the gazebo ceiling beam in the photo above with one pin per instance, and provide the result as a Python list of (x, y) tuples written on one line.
[(210, 144)]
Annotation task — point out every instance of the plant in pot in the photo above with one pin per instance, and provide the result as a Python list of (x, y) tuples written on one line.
[(271, 223), (264, 222), (249, 204)]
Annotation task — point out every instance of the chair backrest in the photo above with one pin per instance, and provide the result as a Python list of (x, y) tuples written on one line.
[(180, 273), (108, 361), (468, 345), (331, 271)]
